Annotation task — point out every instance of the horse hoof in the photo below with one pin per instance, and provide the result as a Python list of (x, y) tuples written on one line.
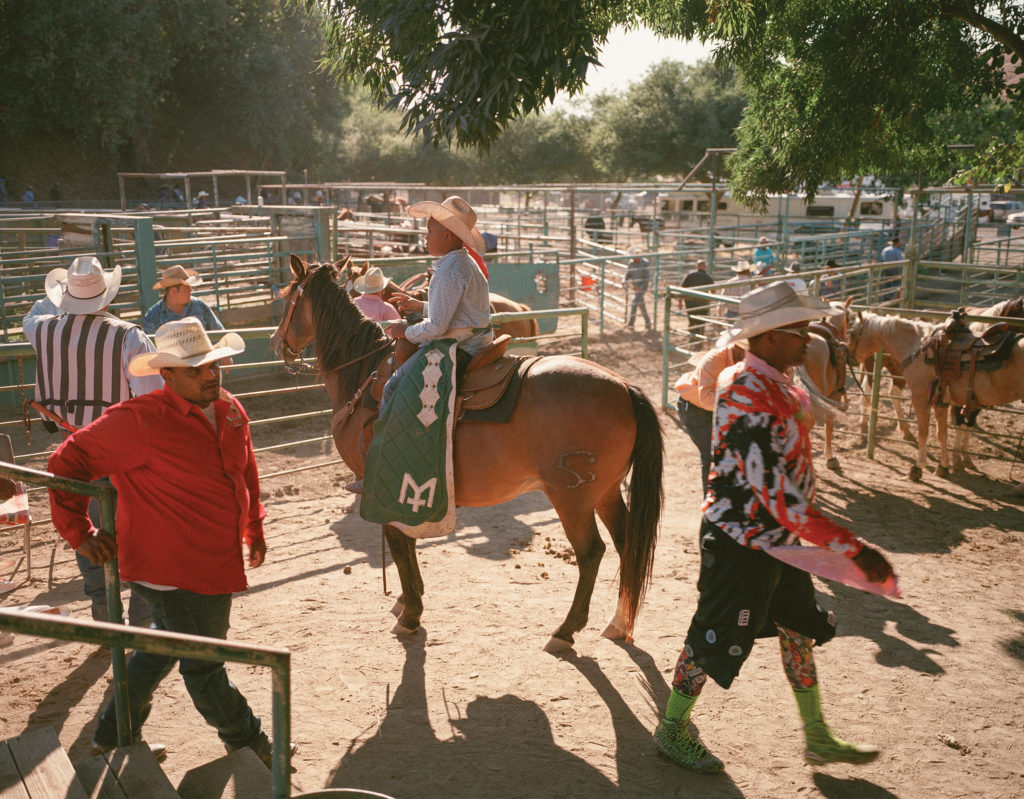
[(833, 464), (557, 646), (915, 473), (615, 631), (942, 471), (401, 629)]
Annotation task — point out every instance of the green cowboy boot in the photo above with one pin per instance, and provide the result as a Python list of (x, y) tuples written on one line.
[(675, 742), (822, 746)]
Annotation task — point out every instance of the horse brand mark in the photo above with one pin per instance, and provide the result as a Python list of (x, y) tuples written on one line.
[(416, 500), (586, 477)]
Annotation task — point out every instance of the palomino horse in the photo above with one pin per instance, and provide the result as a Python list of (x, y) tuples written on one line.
[(576, 430), (902, 339), (416, 286)]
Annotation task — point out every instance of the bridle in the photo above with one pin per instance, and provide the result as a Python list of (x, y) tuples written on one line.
[(295, 363)]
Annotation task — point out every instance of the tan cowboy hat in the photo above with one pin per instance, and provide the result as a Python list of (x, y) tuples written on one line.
[(84, 288), (741, 266), (771, 307), (372, 282), (456, 215), (763, 240), (184, 342), (177, 275)]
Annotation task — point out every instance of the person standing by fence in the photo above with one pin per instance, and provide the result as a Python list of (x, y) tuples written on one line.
[(82, 358), (637, 280), (183, 464)]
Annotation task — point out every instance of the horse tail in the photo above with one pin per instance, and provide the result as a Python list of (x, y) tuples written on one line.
[(645, 499)]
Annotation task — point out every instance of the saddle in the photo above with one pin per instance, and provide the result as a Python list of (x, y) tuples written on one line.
[(954, 347), (837, 351)]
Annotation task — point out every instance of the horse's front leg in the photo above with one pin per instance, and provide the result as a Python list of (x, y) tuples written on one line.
[(922, 411), (409, 607), (942, 431), (581, 529), (896, 398)]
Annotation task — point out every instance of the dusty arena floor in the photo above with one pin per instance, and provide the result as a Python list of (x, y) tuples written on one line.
[(471, 706)]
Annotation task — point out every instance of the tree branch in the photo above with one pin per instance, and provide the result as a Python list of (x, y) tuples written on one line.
[(1001, 33)]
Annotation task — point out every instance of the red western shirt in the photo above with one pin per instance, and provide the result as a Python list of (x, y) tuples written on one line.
[(187, 495)]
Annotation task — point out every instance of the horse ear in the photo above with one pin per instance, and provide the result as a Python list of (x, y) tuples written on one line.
[(298, 266), (848, 301), (341, 263)]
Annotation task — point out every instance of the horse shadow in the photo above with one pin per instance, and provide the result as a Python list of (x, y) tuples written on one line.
[(502, 747), (1014, 646), (866, 615)]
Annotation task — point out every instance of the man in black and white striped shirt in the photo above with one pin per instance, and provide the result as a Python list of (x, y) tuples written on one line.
[(82, 357)]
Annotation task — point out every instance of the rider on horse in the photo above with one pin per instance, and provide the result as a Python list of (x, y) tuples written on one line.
[(458, 303)]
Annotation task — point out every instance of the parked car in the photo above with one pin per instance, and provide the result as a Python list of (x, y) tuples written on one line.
[(1003, 208), (1016, 220)]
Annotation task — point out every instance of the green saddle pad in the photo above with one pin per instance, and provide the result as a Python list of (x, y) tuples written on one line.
[(409, 478)]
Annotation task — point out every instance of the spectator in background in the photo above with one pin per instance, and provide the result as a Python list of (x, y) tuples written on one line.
[(3, 192), (55, 194), (891, 275), (764, 258), (696, 307), (742, 271), (202, 199), (177, 303), (369, 300), (637, 280), (893, 252), (29, 197), (793, 277)]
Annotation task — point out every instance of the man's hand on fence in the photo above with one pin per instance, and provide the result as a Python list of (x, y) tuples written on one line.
[(98, 548)]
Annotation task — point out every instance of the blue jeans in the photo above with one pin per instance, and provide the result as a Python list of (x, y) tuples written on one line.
[(698, 424), (214, 695), (638, 302)]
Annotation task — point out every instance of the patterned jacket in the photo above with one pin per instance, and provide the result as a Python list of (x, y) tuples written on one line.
[(761, 485)]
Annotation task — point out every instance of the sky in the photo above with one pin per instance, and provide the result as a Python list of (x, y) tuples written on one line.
[(628, 56)]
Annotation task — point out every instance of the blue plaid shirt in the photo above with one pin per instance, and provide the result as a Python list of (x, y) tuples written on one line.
[(159, 314)]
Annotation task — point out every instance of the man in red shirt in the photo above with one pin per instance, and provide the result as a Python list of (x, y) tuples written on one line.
[(182, 462)]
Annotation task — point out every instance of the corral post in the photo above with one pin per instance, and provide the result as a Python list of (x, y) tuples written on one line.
[(664, 348), (282, 751), (145, 261), (876, 382), (115, 614)]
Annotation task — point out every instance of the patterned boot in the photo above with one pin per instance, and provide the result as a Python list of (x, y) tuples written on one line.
[(675, 742)]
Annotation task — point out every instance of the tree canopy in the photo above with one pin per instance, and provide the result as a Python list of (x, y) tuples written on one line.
[(836, 88)]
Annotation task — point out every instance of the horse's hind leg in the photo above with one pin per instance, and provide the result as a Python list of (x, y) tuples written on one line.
[(613, 512), (410, 604), (581, 529)]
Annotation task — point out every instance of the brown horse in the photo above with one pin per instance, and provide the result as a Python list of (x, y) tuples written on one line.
[(416, 286), (902, 338), (824, 371), (576, 431)]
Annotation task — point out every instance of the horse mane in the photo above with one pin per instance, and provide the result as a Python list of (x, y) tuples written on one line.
[(342, 331)]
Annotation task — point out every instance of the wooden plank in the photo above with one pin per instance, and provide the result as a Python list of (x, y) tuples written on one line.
[(98, 780), (11, 786), (44, 767), (240, 775), (139, 774)]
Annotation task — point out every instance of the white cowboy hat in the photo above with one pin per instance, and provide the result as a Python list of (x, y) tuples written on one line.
[(177, 275), (634, 250), (456, 215), (84, 288), (741, 266), (184, 342), (771, 307), (763, 240), (372, 282)]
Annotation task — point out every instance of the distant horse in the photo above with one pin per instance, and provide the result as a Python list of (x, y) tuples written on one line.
[(416, 286), (902, 338), (576, 431)]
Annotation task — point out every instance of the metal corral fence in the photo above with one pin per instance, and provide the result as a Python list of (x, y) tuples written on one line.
[(119, 637), (928, 293)]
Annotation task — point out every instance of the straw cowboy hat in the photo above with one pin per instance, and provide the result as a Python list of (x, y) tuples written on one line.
[(741, 266), (771, 307), (763, 240), (184, 342), (456, 215), (177, 275), (84, 288), (372, 282)]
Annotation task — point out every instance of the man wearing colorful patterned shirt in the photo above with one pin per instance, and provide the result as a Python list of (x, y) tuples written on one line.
[(761, 494)]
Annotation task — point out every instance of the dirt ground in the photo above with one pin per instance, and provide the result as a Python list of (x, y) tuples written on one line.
[(471, 705)]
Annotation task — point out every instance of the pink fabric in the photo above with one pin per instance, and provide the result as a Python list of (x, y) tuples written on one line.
[(375, 308)]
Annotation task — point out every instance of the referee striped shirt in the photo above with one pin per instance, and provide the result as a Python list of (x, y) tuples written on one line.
[(82, 363)]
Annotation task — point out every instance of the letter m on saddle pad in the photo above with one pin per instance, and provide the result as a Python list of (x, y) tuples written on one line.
[(409, 474)]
